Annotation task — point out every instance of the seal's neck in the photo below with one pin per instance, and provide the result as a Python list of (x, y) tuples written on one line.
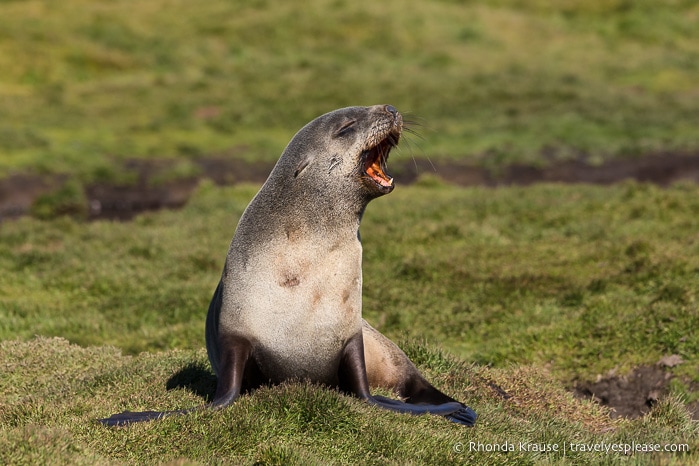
[(319, 214), (279, 211)]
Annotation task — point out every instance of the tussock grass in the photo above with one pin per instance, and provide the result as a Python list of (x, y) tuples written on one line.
[(294, 423), (84, 85), (503, 297)]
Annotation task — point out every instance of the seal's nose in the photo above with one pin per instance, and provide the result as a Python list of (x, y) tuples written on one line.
[(391, 109)]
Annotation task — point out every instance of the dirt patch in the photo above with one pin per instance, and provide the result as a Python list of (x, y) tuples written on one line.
[(629, 396), (18, 192), (694, 410), (124, 201), (633, 395), (662, 169)]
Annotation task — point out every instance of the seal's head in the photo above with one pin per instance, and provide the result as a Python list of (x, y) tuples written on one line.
[(345, 151)]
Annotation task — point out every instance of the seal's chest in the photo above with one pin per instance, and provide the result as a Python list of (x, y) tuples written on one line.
[(303, 328), (302, 293), (298, 300), (306, 308)]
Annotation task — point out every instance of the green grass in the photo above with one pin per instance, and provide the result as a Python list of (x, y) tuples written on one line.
[(595, 278), (527, 289), (85, 85)]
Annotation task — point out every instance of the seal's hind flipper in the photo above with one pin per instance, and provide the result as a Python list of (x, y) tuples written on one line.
[(454, 411), (465, 416)]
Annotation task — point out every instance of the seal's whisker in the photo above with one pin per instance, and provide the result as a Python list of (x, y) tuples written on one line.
[(410, 122), (392, 140), (411, 144), (414, 133), (434, 169), (413, 118)]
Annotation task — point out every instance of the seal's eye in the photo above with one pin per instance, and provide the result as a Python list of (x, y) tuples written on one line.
[(346, 128)]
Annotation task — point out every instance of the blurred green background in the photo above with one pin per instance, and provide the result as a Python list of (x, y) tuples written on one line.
[(85, 85)]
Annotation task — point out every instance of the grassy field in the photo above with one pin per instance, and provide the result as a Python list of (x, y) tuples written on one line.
[(526, 289), (506, 298), (85, 85)]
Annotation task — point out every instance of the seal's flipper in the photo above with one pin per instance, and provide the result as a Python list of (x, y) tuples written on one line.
[(454, 411), (465, 416), (353, 379), (402, 407), (389, 367), (129, 417), (235, 354)]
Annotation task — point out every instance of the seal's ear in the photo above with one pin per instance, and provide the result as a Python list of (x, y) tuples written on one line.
[(302, 166)]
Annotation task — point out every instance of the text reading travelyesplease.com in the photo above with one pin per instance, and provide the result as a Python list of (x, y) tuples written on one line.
[(538, 447)]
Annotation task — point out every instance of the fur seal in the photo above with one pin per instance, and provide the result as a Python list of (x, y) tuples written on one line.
[(289, 302)]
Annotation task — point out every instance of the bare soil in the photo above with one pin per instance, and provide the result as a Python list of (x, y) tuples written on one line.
[(633, 395), (123, 202), (629, 396)]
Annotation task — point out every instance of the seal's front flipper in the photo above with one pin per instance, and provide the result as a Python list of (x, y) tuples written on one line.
[(129, 417), (234, 356), (454, 411)]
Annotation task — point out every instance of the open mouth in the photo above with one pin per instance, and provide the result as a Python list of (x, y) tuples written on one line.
[(374, 161)]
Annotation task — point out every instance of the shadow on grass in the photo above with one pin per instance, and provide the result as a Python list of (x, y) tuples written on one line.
[(196, 378)]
